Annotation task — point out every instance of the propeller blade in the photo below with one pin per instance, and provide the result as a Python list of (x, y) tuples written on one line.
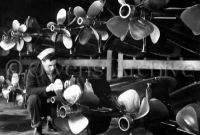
[(155, 35), (77, 123), (67, 41), (22, 28), (140, 131), (144, 108), (118, 26), (140, 28), (49, 24), (79, 12), (61, 16), (66, 32), (155, 4), (7, 45), (32, 23), (53, 37), (72, 94), (29, 47), (95, 8), (15, 25), (95, 33), (27, 38), (121, 2), (130, 100), (191, 18), (85, 35), (188, 118), (20, 45), (104, 35)]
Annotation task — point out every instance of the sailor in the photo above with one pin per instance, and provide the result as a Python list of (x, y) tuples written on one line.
[(40, 87)]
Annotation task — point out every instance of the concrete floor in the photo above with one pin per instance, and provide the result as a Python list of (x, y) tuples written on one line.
[(15, 120)]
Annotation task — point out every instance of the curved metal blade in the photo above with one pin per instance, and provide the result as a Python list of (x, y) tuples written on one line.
[(187, 118), (140, 131), (22, 28), (77, 123), (20, 45), (95, 8), (85, 35), (95, 33), (7, 45), (118, 26), (61, 16), (191, 18), (15, 25), (130, 100), (89, 97), (67, 41), (72, 94), (121, 2), (140, 28), (27, 38), (53, 37), (79, 12), (155, 4), (144, 109), (104, 35), (155, 35)]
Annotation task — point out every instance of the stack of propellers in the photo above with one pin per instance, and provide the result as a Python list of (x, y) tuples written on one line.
[(15, 37), (133, 19)]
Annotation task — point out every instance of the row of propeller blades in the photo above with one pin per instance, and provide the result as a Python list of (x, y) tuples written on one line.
[(131, 19)]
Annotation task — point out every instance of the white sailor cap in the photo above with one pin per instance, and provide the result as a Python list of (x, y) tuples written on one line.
[(45, 52)]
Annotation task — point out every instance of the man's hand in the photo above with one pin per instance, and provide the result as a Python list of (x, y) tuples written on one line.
[(49, 88)]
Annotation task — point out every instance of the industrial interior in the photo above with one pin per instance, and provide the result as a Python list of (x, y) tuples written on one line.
[(132, 65)]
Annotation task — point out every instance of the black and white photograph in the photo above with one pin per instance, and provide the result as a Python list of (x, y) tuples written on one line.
[(100, 67)]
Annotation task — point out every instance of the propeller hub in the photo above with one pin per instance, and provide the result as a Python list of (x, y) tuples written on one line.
[(52, 27), (3, 37), (125, 11), (80, 21), (125, 123)]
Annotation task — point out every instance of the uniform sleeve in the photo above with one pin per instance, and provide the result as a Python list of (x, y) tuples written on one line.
[(32, 87)]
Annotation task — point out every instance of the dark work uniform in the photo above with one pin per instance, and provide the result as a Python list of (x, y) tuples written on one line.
[(36, 83)]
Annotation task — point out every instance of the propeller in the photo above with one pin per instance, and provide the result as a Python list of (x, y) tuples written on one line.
[(7, 42), (17, 33), (130, 20), (87, 22), (60, 31), (191, 19)]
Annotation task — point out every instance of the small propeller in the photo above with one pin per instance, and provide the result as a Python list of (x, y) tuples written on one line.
[(7, 42), (191, 19), (18, 34), (60, 30), (87, 22)]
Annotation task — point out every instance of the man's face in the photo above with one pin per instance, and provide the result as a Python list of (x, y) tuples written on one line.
[(49, 65)]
